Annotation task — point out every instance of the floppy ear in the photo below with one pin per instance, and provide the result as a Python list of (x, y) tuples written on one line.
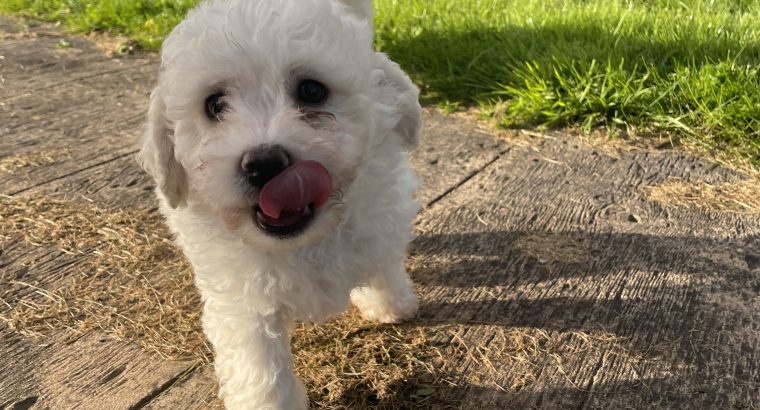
[(401, 100), (157, 153), (360, 8)]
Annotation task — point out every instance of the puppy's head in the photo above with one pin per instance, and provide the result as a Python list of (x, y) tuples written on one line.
[(264, 111)]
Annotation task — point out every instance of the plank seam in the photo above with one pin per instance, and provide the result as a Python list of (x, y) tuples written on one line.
[(132, 152), (85, 77), (464, 180), (62, 118), (166, 386)]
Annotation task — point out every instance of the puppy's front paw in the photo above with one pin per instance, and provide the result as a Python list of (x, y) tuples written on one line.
[(286, 393), (384, 307)]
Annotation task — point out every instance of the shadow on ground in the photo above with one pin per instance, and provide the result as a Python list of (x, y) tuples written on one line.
[(684, 303), (678, 308)]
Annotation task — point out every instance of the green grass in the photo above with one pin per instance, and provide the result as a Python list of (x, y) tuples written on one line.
[(688, 68)]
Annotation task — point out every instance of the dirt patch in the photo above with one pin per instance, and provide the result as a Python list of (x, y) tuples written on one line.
[(741, 196), (21, 28), (113, 46)]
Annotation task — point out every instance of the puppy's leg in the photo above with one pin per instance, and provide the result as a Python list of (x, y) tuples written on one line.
[(252, 358), (389, 296)]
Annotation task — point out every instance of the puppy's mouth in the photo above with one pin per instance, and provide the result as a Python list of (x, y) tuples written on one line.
[(290, 223), (288, 203)]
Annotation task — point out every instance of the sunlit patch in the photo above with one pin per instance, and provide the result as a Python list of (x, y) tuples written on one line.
[(17, 162), (739, 196)]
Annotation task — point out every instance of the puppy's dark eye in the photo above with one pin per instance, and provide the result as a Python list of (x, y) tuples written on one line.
[(311, 92), (215, 106)]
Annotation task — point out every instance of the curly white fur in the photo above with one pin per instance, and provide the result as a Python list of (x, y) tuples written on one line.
[(254, 286)]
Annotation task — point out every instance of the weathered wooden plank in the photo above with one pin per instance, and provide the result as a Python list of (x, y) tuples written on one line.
[(33, 59), (560, 238), (47, 137), (19, 387), (27, 73), (122, 184), (630, 285), (197, 391), (451, 150), (93, 372), (23, 71), (31, 117), (118, 184), (65, 109)]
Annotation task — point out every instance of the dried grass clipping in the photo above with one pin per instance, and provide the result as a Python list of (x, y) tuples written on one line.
[(351, 363), (16, 162), (115, 271), (78, 268), (740, 196)]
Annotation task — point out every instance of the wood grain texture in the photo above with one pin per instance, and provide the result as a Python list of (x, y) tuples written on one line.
[(93, 372), (195, 392), (74, 127), (65, 109), (116, 184), (33, 58), (451, 151), (19, 386)]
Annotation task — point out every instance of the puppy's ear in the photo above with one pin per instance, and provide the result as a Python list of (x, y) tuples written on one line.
[(360, 8), (400, 98), (157, 153)]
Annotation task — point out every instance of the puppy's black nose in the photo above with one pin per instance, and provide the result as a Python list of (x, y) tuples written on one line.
[(263, 163)]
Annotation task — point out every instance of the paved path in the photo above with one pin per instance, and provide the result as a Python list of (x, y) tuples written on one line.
[(548, 278)]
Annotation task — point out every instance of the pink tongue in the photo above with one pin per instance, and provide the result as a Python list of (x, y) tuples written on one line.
[(296, 187)]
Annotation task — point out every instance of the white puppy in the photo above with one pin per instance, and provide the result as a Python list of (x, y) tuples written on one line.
[(277, 138)]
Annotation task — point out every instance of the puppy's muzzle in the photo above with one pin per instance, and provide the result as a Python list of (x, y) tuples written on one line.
[(288, 191)]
